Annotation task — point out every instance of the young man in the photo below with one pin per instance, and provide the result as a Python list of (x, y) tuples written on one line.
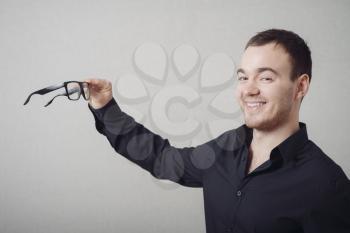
[(265, 176)]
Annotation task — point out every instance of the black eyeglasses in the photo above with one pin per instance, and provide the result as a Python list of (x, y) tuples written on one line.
[(73, 90)]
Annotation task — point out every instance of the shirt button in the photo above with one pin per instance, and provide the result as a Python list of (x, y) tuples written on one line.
[(239, 193)]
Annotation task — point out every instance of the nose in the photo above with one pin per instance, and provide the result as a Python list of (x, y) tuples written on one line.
[(250, 88)]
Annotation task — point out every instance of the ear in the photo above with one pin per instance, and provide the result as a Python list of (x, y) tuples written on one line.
[(303, 83)]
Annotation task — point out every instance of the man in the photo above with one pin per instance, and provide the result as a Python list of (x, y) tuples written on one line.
[(265, 176)]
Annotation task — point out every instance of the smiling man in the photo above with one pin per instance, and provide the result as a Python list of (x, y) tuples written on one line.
[(273, 78), (266, 176)]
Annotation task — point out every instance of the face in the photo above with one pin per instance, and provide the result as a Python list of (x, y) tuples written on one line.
[(265, 91)]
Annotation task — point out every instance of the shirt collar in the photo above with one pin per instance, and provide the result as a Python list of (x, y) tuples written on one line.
[(288, 148)]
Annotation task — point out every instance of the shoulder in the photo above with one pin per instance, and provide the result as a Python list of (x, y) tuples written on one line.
[(321, 178), (314, 157), (229, 140), (318, 167)]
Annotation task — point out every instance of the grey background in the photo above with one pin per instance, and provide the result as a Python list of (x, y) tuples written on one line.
[(57, 174)]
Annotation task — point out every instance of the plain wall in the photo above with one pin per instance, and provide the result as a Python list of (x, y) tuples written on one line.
[(58, 174)]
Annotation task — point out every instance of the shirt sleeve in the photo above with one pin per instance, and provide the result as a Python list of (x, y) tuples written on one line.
[(145, 148), (333, 213)]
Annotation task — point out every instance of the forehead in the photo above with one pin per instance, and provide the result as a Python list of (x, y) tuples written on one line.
[(270, 55)]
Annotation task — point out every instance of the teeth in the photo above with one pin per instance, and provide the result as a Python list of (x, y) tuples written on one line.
[(255, 104)]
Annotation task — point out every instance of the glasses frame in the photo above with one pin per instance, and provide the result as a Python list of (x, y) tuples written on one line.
[(66, 93)]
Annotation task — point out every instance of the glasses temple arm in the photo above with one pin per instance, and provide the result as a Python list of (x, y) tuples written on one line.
[(44, 91), (48, 103), (63, 94)]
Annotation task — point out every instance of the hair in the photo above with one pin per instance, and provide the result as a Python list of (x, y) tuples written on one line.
[(293, 44)]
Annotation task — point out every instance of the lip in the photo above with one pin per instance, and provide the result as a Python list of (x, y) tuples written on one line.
[(253, 105)]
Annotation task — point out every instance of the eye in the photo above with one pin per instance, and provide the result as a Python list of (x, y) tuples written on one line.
[(242, 78), (266, 79)]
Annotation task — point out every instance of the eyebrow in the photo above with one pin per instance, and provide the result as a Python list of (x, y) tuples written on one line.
[(260, 70)]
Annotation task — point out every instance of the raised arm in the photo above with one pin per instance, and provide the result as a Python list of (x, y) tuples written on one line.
[(140, 145)]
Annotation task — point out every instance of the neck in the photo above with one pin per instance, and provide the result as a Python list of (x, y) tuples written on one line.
[(267, 140)]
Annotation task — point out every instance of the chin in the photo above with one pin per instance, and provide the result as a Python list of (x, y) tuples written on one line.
[(253, 125), (259, 124)]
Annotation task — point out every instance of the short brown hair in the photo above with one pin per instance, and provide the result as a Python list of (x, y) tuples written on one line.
[(294, 45)]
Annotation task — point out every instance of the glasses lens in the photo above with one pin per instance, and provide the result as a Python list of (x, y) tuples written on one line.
[(73, 90), (86, 91)]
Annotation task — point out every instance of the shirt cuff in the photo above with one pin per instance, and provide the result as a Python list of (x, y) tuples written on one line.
[(100, 112)]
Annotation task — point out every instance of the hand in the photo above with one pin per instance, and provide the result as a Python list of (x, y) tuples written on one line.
[(100, 92)]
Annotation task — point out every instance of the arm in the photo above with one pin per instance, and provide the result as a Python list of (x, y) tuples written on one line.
[(145, 148), (333, 213)]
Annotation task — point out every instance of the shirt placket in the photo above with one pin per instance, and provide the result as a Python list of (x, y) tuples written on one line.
[(244, 180)]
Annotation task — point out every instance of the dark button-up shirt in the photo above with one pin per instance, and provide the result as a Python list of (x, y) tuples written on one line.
[(299, 189)]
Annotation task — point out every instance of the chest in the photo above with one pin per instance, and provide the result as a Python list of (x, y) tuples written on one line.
[(261, 203)]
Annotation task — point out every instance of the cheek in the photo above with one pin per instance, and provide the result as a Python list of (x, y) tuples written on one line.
[(284, 98), (289, 94), (277, 93)]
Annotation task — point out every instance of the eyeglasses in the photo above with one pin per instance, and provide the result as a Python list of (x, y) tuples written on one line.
[(73, 90)]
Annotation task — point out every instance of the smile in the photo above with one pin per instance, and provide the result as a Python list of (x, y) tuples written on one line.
[(255, 105)]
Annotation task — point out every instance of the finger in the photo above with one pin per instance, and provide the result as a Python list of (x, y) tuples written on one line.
[(94, 84), (92, 81), (98, 82)]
